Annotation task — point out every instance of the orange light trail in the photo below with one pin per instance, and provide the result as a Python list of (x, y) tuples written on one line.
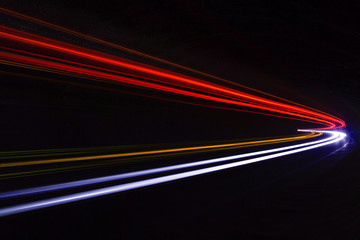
[(163, 151)]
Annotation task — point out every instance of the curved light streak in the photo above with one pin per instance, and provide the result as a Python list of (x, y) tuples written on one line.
[(151, 77), (98, 66), (56, 187), (116, 46), (162, 151), (335, 137)]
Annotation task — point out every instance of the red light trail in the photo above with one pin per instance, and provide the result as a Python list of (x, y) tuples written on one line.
[(111, 68), (31, 51)]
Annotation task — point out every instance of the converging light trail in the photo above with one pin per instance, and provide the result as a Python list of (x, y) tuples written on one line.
[(103, 71), (174, 150), (116, 46), (61, 186), (284, 151), (105, 67)]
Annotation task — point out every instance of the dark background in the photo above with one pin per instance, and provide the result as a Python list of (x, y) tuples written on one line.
[(305, 52)]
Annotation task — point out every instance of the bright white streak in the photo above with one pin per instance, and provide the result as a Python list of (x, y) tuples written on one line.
[(143, 183), (80, 183)]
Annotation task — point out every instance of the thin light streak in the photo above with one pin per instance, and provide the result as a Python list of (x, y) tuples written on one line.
[(131, 154), (112, 69), (116, 46), (335, 137), (240, 98), (56, 187), (126, 80)]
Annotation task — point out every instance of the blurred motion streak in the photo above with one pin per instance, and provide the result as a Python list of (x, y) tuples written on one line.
[(241, 144), (149, 171), (107, 67), (116, 46), (21, 49), (334, 137)]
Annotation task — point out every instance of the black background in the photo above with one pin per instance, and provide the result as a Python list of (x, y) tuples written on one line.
[(305, 52)]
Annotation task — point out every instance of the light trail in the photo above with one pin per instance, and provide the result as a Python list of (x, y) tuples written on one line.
[(155, 86), (174, 150), (27, 50), (113, 162), (56, 187), (204, 90), (335, 137), (214, 106), (117, 46)]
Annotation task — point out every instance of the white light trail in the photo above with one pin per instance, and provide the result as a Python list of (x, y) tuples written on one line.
[(80, 183), (336, 137)]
